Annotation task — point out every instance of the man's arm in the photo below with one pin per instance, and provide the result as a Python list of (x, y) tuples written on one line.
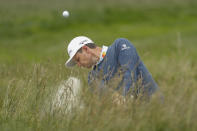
[(128, 60)]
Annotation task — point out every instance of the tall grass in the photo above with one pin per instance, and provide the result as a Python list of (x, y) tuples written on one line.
[(27, 95)]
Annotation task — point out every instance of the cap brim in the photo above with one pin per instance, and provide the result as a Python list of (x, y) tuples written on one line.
[(70, 63)]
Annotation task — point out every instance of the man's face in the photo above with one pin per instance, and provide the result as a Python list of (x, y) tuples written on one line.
[(84, 59)]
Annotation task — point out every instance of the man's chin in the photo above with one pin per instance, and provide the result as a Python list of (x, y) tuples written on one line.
[(89, 67), (86, 67)]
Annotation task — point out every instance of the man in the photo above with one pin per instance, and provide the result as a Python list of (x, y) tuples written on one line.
[(119, 60)]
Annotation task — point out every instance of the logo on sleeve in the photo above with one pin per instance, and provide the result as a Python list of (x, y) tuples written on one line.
[(124, 47)]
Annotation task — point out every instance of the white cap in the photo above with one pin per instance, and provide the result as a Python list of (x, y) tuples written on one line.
[(74, 46)]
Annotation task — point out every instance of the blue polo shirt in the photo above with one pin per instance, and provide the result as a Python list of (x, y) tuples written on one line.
[(123, 62)]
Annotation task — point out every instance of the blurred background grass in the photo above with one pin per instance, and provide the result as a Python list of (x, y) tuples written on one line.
[(33, 42)]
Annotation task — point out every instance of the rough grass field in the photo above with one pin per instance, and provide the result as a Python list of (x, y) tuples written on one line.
[(33, 41)]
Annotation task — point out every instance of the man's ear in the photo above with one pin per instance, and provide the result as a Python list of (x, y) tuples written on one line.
[(86, 48)]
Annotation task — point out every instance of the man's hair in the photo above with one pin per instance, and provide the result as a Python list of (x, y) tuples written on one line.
[(90, 45)]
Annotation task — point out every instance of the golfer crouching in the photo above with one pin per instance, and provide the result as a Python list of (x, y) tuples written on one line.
[(120, 60)]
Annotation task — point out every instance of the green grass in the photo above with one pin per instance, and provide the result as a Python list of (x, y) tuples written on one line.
[(33, 41)]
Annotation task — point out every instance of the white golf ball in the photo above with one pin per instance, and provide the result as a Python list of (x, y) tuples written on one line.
[(65, 13)]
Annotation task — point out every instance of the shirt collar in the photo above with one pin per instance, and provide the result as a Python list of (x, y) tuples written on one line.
[(103, 53)]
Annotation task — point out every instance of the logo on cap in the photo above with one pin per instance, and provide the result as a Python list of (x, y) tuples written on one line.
[(82, 42)]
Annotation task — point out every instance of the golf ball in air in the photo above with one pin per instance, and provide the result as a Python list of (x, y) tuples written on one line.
[(65, 13)]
